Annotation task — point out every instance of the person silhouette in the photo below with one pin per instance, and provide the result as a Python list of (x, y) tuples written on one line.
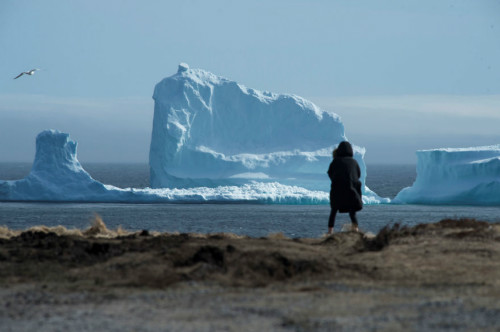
[(345, 192)]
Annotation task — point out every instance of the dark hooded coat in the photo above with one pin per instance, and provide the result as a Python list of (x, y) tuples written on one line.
[(344, 172)]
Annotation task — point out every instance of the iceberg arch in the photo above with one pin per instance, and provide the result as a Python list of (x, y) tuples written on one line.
[(213, 140)]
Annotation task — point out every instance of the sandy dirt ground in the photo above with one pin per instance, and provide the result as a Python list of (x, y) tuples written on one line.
[(443, 277)]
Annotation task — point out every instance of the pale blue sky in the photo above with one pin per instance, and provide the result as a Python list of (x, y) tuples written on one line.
[(403, 75)]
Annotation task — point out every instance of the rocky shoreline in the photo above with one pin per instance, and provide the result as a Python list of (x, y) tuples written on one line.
[(437, 276)]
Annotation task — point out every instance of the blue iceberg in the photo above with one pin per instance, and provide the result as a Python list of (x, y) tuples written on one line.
[(460, 176)]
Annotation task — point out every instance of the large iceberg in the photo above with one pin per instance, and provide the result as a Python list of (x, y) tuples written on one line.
[(213, 140), (208, 131), (463, 176), (57, 175)]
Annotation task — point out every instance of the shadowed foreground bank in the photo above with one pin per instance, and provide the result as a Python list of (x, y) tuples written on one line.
[(432, 276)]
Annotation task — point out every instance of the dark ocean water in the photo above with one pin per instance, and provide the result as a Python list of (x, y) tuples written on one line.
[(245, 219)]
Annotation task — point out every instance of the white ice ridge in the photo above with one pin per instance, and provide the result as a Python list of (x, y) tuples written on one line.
[(57, 175), (463, 176), (211, 131)]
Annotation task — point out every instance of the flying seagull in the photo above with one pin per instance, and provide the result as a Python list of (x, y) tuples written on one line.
[(31, 72)]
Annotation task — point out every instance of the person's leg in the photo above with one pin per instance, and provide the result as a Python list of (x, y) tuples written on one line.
[(354, 221), (331, 220)]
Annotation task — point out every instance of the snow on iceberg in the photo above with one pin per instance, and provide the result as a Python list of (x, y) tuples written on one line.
[(57, 175), (210, 131), (463, 176)]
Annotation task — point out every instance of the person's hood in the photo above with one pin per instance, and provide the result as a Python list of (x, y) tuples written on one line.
[(344, 149)]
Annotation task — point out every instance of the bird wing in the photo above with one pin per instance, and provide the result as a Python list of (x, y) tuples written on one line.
[(20, 75)]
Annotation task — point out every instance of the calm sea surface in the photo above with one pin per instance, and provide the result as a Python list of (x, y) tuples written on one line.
[(245, 219)]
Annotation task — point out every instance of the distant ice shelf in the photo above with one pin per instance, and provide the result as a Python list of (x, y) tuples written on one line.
[(459, 176)]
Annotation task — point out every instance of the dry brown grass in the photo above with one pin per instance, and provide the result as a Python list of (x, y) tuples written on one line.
[(97, 229)]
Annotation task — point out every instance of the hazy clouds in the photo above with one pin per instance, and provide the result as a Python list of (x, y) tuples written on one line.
[(403, 75), (109, 130)]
